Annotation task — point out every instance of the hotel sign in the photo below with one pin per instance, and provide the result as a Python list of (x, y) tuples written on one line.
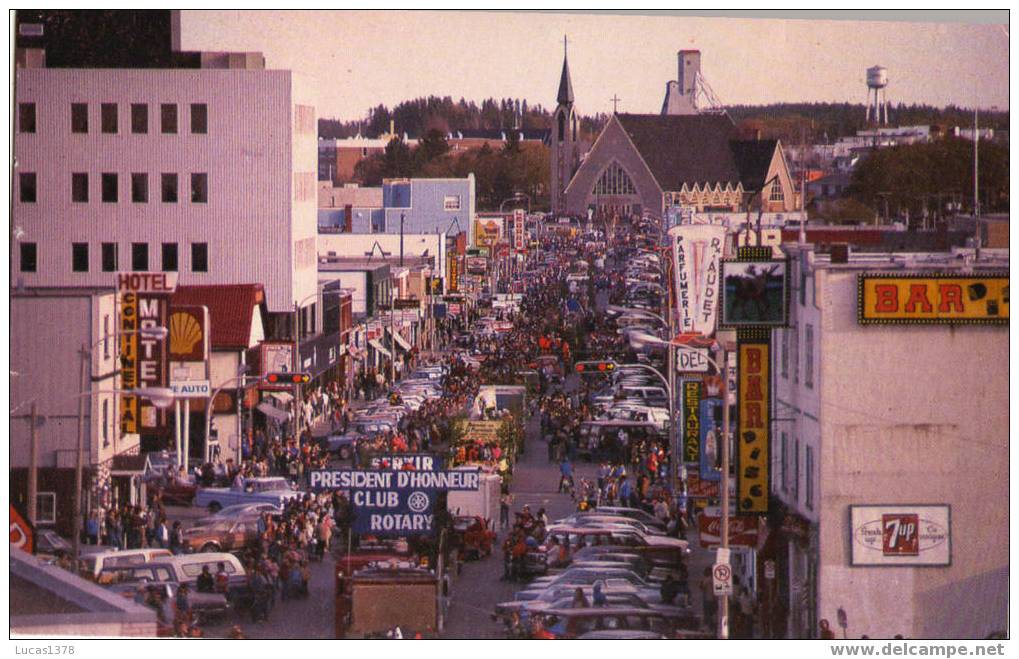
[(908, 534), (932, 299), (144, 301)]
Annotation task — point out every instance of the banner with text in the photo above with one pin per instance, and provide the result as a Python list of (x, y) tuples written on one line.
[(696, 255), (754, 426)]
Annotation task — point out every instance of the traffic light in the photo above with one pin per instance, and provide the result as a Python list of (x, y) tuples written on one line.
[(287, 378), (595, 367)]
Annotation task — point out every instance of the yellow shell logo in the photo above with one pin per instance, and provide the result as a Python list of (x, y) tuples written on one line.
[(185, 333)]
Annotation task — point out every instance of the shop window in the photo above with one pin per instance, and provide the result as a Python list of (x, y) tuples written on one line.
[(46, 508)]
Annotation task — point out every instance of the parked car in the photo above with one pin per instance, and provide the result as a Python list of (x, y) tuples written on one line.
[(571, 623), (223, 535), (93, 564), (174, 492), (241, 510), (273, 490), (342, 445), (126, 581)]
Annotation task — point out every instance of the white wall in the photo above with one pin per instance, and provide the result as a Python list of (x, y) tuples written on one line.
[(353, 280), (914, 414), (250, 221)]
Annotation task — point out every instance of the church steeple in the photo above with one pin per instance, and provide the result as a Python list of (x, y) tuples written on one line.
[(565, 96)]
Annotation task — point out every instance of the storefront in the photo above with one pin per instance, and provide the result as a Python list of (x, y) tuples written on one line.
[(787, 593)]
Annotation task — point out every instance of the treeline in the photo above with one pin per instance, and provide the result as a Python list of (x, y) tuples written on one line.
[(820, 123), (418, 116), (499, 173), (917, 176)]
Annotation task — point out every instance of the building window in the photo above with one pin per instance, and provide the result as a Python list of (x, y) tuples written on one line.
[(79, 257), (808, 358), (562, 126), (45, 508), (614, 181), (26, 187), (796, 469), (785, 354), (140, 257), (79, 187), (79, 117), (808, 473), (199, 118), (108, 117), (26, 117), (199, 188), (785, 462), (140, 118), (776, 195), (169, 257), (106, 333), (795, 350), (109, 257), (199, 257), (168, 118), (28, 259), (106, 423), (169, 187), (451, 203), (110, 188), (140, 188)]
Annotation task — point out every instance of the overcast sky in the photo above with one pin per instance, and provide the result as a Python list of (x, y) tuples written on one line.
[(351, 61)]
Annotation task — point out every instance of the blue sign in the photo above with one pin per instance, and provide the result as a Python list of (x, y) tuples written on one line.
[(711, 436), (390, 503), (439, 310)]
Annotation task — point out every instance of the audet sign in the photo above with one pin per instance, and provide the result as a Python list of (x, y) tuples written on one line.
[(924, 299)]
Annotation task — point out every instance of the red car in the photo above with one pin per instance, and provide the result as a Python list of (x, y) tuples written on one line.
[(175, 493)]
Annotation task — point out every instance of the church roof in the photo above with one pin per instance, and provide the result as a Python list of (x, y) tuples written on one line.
[(682, 149), (565, 95), (753, 158)]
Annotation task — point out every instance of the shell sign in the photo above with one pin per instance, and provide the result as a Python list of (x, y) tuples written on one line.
[(189, 334)]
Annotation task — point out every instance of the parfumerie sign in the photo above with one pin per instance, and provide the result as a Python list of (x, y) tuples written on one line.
[(932, 299), (393, 503), (908, 534)]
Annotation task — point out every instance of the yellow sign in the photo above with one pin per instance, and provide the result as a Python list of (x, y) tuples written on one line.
[(452, 273), (754, 427), (129, 362), (483, 431), (486, 232), (932, 299)]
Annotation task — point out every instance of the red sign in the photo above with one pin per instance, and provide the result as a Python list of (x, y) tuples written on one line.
[(900, 534), (22, 533), (700, 489), (743, 530)]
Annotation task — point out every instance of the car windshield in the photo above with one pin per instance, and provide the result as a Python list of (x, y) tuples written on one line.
[(271, 484)]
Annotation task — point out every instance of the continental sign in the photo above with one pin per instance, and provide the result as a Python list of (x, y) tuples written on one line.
[(452, 274), (754, 427), (932, 299), (691, 420)]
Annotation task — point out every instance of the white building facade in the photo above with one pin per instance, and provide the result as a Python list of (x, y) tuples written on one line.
[(881, 416)]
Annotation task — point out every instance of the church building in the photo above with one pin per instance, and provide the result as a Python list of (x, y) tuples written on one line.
[(688, 157)]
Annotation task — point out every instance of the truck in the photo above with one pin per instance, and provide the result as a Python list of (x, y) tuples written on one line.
[(273, 490), (375, 600), (484, 502)]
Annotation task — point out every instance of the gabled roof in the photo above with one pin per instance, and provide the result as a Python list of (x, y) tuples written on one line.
[(231, 310), (753, 158), (684, 148)]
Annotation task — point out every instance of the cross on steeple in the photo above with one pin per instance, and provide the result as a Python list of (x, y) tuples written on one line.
[(615, 103)]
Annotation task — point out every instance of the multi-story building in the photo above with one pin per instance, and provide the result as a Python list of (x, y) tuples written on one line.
[(876, 424), (197, 164)]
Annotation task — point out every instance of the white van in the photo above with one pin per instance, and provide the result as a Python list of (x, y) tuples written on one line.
[(93, 564), (189, 566)]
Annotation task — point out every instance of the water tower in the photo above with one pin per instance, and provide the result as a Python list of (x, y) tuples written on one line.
[(877, 82)]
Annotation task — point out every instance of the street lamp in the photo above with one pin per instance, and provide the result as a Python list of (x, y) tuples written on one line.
[(638, 339), (242, 370)]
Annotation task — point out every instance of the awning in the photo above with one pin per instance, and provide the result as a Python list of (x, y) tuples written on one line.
[(400, 341), (380, 348), (273, 412), (282, 396)]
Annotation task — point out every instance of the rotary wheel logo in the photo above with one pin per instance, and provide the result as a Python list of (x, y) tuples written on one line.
[(418, 502)]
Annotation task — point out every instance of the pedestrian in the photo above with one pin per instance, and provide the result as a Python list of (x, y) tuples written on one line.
[(505, 504), (177, 538), (206, 582), (162, 534)]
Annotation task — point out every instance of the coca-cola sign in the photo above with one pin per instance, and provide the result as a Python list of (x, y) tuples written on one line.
[(743, 530), (901, 535)]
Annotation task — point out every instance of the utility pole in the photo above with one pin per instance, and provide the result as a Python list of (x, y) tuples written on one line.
[(79, 458), (723, 364), (298, 403), (33, 465), (976, 163), (401, 240)]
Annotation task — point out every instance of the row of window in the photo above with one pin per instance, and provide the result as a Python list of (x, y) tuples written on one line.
[(110, 261), (790, 346), (109, 187), (109, 118), (791, 470)]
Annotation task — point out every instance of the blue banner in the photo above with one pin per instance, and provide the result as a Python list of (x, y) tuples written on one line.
[(711, 435)]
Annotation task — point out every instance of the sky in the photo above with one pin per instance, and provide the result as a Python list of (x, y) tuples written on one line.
[(348, 61)]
